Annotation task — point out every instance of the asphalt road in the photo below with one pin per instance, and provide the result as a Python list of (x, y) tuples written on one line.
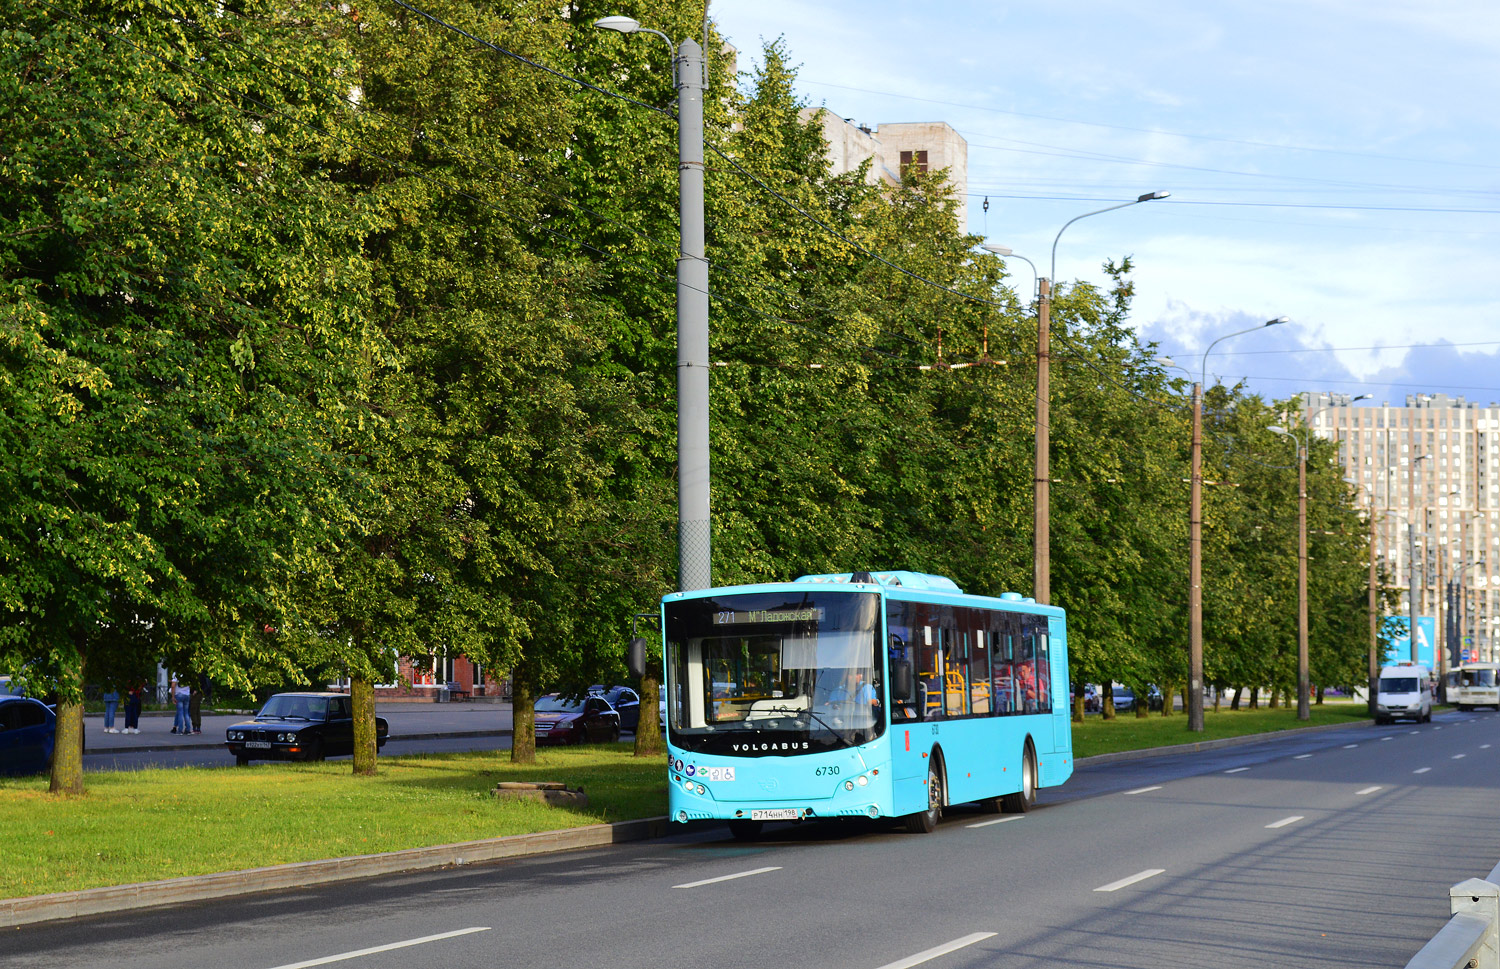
[(1324, 849)]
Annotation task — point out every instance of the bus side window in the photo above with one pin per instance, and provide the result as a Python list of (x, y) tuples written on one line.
[(1002, 671), (955, 678), (931, 675)]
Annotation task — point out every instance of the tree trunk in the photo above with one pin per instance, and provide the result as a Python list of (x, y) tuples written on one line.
[(67, 750), (1142, 704), (1234, 701), (648, 739), (1275, 698), (1107, 704), (1218, 694), (1078, 708), (1166, 699), (1318, 695), (523, 716), (362, 699), (1255, 698)]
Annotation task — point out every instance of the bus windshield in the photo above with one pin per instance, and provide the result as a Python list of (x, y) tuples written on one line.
[(774, 673), (1473, 677)]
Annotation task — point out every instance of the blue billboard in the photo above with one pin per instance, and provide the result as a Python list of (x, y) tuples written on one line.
[(1398, 649)]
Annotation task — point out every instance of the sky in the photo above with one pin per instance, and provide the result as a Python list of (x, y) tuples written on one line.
[(1333, 161)]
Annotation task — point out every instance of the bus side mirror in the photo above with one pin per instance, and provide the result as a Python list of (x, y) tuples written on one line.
[(901, 679), (636, 659)]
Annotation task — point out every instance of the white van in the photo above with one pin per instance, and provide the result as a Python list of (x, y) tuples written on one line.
[(1405, 693)]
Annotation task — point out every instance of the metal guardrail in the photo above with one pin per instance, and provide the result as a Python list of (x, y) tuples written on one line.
[(1471, 939)]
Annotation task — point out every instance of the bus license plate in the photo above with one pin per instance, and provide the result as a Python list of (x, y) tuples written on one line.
[(258, 744), (776, 814)]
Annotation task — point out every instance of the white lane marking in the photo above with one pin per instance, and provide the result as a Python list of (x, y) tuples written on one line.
[(1414, 732), (1455, 756), (1126, 882), (1387, 738), (1143, 790), (382, 948), (1421, 770), (1305, 756), (1286, 821), (1352, 746), (725, 878), (1235, 770), (1435, 728), (1481, 746), (927, 955), (1368, 790), (1013, 817)]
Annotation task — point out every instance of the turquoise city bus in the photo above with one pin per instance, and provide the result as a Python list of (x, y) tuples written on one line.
[(890, 694)]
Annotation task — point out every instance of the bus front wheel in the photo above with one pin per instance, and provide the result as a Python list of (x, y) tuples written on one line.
[(924, 822), (1024, 799), (745, 830)]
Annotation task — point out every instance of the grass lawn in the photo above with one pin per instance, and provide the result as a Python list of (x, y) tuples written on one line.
[(135, 826), (1129, 732)]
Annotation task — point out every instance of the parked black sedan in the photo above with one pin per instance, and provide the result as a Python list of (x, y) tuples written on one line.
[(299, 726), (563, 721), (627, 704)]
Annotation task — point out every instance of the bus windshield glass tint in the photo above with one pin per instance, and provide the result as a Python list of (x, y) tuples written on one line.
[(774, 673)]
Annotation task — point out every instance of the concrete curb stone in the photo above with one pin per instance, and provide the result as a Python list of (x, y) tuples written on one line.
[(196, 888)]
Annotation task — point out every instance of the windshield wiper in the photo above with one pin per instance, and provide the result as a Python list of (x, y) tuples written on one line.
[(831, 728)]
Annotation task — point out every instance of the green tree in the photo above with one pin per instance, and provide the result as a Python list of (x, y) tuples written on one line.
[(179, 319)]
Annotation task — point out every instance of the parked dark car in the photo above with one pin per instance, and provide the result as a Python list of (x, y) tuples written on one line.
[(627, 704), (560, 720), (28, 730), (1124, 698), (299, 726)]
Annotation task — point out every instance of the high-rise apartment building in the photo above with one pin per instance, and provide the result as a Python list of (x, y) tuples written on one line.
[(1431, 472)]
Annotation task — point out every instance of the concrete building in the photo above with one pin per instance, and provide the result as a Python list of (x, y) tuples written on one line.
[(893, 148), (1450, 497)]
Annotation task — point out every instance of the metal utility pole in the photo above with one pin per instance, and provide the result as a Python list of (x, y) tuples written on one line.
[(694, 528), (1194, 699), (1041, 499), (1303, 676)]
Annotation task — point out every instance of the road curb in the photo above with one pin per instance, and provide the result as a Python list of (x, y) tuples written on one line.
[(1202, 745), (196, 888)]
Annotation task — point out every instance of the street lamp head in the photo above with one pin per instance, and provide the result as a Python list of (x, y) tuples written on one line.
[(997, 250), (625, 25), (1279, 320), (1153, 196), (1277, 429)]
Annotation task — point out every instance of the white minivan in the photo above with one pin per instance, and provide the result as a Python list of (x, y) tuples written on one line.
[(1405, 693)]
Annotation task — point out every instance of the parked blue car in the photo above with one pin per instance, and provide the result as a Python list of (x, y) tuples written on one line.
[(28, 729)]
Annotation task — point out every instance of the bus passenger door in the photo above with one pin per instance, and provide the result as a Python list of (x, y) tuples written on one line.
[(1062, 709)]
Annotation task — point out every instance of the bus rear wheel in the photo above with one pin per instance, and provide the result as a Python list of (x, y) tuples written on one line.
[(1024, 799), (925, 822)]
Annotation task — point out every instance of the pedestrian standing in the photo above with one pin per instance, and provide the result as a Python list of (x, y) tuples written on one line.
[(182, 696), (111, 703), (195, 708), (133, 709)]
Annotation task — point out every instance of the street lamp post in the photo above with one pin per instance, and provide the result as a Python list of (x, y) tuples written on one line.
[(694, 527), (1304, 679), (1411, 553), (1194, 698), (1042, 492)]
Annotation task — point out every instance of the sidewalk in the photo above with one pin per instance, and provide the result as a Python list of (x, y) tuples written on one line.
[(409, 721)]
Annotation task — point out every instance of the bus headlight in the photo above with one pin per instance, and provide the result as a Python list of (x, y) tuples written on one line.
[(848, 785), (688, 786)]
